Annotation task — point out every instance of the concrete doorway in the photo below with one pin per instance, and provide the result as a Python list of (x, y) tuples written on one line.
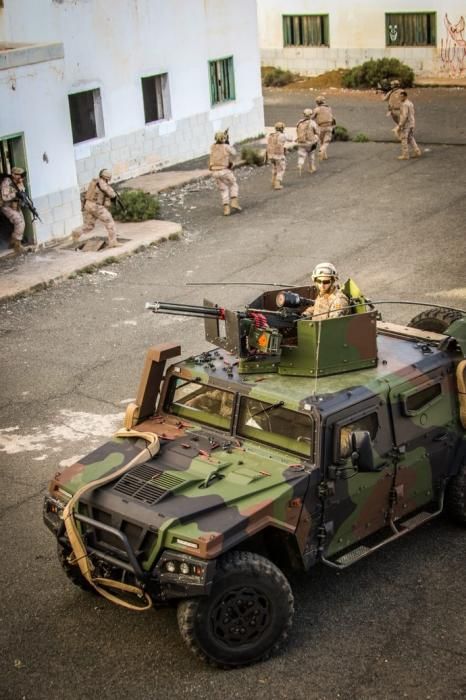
[(13, 153)]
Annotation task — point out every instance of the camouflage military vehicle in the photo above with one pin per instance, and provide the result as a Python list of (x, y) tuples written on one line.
[(294, 442)]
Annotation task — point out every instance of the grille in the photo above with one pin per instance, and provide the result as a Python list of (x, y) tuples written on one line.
[(146, 483)]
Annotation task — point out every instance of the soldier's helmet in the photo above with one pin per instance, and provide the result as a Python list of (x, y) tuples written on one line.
[(320, 100), (395, 83), (105, 174), (280, 126), (219, 137), (307, 112), (18, 171), (325, 270)]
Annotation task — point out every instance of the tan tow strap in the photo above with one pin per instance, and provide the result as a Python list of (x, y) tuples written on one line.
[(81, 557), (461, 383)]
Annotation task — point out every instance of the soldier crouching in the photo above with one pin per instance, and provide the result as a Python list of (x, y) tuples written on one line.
[(220, 164), (99, 197)]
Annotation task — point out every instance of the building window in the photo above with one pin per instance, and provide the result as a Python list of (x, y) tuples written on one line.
[(222, 80), (156, 97), (86, 115), (410, 29), (305, 30)]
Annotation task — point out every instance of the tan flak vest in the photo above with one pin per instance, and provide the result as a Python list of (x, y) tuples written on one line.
[(94, 194), (219, 157), (323, 115), (275, 145)]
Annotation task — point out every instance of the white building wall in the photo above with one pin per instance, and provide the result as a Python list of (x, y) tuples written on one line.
[(112, 44), (357, 34)]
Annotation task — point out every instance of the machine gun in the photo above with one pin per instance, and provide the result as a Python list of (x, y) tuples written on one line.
[(383, 86), (27, 202), (250, 334)]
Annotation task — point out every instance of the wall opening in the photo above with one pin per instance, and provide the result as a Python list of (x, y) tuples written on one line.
[(13, 153), (156, 97), (86, 115)]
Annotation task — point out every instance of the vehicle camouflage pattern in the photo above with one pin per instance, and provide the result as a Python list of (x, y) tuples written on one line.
[(295, 441)]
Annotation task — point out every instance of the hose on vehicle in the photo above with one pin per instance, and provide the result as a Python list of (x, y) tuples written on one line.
[(461, 383), (79, 551)]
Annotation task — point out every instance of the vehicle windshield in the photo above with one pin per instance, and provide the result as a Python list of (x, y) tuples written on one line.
[(200, 402), (275, 425)]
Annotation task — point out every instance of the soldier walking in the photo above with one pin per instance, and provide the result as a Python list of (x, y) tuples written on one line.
[(276, 154), (407, 124), (323, 116), (220, 164), (393, 97), (307, 137), (10, 206), (98, 199)]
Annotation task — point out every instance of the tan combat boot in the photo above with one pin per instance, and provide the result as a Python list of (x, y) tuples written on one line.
[(114, 244), (312, 168), (18, 247), (278, 185), (226, 210), (274, 180), (417, 154), (235, 204), (403, 157)]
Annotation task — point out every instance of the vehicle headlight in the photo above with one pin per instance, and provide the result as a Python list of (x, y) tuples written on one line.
[(185, 568)]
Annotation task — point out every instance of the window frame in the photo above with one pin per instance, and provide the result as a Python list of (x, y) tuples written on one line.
[(339, 425), (298, 19), (406, 395), (198, 415), (431, 29), (161, 96), (226, 66), (97, 115)]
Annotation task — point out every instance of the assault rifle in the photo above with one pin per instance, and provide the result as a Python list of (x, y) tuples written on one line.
[(25, 201), (119, 201), (226, 133), (383, 86)]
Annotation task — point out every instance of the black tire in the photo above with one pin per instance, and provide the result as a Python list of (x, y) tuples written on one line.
[(455, 497), (435, 320), (247, 616), (72, 572)]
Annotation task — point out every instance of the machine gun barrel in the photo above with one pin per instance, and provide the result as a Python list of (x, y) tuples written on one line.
[(167, 307)]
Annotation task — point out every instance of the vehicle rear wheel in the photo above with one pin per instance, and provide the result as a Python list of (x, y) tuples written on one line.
[(247, 616), (455, 497), (72, 572), (434, 320)]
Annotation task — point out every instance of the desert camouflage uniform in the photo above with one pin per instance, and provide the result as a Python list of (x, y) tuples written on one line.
[(407, 124), (329, 305), (323, 115), (221, 155), (307, 136), (394, 103), (276, 156), (99, 197), (9, 206)]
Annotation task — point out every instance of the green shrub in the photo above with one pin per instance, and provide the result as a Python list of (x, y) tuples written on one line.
[(252, 156), (276, 77), (360, 138), (340, 133), (373, 73), (138, 206)]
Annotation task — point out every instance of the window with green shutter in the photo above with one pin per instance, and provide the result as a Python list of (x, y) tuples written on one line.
[(305, 30), (410, 29), (222, 80)]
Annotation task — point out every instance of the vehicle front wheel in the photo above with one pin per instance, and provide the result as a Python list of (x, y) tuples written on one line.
[(247, 616), (455, 497), (435, 320), (72, 572)]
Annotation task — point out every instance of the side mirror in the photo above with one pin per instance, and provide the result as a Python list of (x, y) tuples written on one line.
[(362, 456)]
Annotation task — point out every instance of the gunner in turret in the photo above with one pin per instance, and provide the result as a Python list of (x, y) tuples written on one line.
[(331, 302)]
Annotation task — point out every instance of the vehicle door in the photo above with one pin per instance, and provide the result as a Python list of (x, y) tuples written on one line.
[(425, 419), (357, 502)]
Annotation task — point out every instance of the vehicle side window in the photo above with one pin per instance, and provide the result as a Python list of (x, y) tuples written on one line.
[(415, 401), (369, 423)]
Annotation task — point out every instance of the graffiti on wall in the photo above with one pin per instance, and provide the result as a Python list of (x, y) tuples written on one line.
[(453, 48)]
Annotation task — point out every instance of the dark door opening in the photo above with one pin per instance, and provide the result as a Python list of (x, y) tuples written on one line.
[(12, 153)]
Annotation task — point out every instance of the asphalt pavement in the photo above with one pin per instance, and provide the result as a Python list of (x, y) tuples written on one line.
[(393, 625)]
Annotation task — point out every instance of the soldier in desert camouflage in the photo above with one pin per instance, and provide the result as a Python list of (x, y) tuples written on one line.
[(220, 164), (393, 97), (407, 124), (99, 197), (10, 207), (331, 302), (307, 137), (276, 142), (323, 116)]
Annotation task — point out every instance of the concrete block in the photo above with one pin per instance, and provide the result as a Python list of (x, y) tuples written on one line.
[(62, 212), (58, 229), (76, 207), (55, 199), (72, 223)]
